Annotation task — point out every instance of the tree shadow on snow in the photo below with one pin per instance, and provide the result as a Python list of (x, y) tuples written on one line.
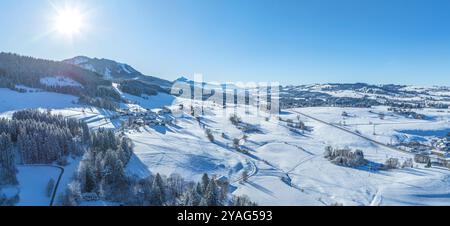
[(161, 129)]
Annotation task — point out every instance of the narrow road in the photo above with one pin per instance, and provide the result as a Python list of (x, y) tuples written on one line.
[(52, 201)]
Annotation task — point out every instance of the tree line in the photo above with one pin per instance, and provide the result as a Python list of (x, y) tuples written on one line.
[(28, 71), (37, 137), (138, 88), (43, 138)]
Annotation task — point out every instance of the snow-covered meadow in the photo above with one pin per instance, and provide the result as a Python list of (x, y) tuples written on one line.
[(33, 181), (391, 128), (12, 101)]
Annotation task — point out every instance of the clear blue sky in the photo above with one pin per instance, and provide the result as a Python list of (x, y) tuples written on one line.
[(299, 41)]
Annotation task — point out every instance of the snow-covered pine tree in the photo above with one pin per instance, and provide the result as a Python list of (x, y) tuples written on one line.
[(158, 191), (87, 178), (211, 196), (192, 197), (205, 183), (8, 168)]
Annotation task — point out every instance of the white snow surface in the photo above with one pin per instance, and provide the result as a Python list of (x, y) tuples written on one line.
[(146, 102), (11, 100), (33, 181)]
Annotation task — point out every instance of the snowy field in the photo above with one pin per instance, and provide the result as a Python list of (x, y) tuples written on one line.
[(11, 100), (285, 166), (185, 150), (393, 128), (320, 181), (33, 182)]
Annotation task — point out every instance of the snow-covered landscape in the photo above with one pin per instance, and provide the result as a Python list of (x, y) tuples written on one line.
[(269, 158), (225, 111)]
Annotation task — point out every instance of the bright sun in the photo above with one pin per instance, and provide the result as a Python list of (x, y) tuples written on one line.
[(69, 21)]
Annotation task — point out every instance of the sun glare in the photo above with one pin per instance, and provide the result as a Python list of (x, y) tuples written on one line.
[(69, 21)]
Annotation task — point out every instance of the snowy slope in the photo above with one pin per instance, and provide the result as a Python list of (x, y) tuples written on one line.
[(146, 102), (184, 150), (11, 100)]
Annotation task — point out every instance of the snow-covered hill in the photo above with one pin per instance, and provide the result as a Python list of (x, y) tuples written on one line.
[(108, 68), (112, 70)]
